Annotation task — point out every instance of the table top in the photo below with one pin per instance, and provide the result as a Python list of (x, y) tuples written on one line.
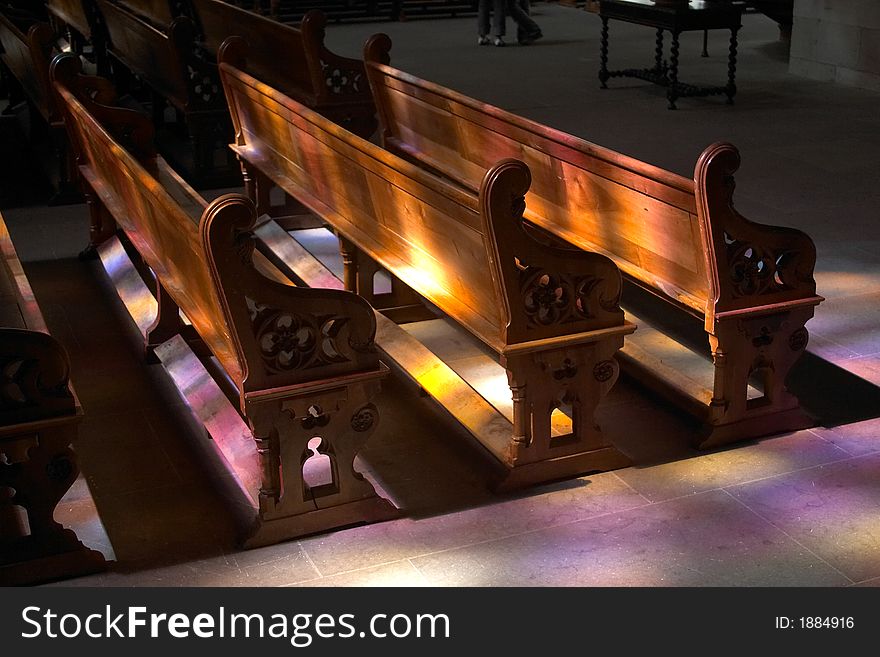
[(696, 14), (673, 5)]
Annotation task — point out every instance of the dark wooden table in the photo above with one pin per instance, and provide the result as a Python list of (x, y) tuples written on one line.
[(674, 17)]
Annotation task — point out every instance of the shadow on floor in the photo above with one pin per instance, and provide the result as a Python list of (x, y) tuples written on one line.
[(831, 394), (22, 182)]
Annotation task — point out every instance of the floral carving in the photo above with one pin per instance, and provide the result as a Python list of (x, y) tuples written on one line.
[(22, 385), (293, 341), (755, 270), (315, 417), (363, 419), (203, 86), (551, 298), (342, 80), (798, 339), (568, 370), (60, 468), (603, 371)]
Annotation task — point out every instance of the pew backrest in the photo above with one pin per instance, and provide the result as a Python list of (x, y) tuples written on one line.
[(470, 254)]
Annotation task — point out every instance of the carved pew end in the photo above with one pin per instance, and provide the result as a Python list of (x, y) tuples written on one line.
[(265, 512)]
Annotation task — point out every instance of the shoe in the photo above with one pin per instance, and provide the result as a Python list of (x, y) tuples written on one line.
[(530, 38), (498, 41), (483, 40)]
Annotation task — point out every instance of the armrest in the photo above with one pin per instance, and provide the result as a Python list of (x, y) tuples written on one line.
[(750, 264), (547, 291), (336, 78), (35, 372), (284, 334)]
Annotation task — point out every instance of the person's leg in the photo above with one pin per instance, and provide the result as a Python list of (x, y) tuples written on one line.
[(483, 21), (525, 25), (499, 18), (526, 6)]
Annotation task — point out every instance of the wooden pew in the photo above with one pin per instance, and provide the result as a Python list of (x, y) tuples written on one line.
[(294, 61), (165, 57), (298, 363), (750, 285), (550, 315), (39, 416), (25, 52), (81, 19)]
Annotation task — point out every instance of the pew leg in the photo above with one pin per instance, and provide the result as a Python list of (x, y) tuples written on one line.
[(102, 59), (39, 129), (166, 325), (752, 359), (256, 187), (13, 90), (68, 190), (4, 87), (307, 445), (555, 395), (102, 226), (199, 145), (400, 305), (158, 109)]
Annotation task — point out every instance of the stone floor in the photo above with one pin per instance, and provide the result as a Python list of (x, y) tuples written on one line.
[(793, 510)]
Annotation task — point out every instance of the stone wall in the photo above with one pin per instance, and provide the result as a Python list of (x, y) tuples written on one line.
[(837, 40)]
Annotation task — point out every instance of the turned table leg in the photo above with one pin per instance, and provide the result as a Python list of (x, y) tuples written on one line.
[(658, 52), (731, 67), (672, 90), (603, 55)]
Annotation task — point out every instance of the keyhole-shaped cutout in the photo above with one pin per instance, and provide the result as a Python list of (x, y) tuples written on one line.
[(318, 471), (13, 517), (561, 424), (382, 282)]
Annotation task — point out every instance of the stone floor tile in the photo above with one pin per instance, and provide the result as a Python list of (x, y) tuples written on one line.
[(546, 506), (399, 573), (736, 464), (702, 540), (830, 510), (858, 438)]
